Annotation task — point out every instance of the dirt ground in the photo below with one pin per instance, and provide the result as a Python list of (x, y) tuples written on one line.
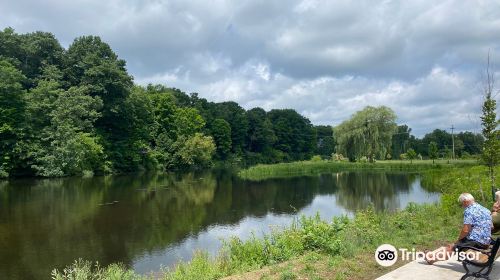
[(315, 266)]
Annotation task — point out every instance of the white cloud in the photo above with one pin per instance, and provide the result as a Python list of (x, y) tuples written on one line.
[(437, 100), (326, 59)]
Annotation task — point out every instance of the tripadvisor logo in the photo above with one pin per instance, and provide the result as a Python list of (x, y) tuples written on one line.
[(387, 255)]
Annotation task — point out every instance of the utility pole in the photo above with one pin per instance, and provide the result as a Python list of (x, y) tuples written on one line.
[(452, 143)]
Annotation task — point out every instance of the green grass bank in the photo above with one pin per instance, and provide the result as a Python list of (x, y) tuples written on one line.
[(326, 249), (304, 168)]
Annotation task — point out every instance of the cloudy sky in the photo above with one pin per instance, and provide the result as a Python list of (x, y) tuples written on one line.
[(326, 59)]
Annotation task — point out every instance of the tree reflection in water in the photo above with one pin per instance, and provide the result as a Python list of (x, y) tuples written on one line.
[(358, 190)]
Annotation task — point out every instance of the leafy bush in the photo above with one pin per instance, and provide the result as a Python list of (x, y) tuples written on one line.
[(337, 157), (285, 245), (316, 158), (363, 159), (85, 270), (201, 267), (250, 254), (320, 235), (3, 173)]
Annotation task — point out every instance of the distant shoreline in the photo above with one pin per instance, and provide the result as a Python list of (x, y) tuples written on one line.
[(304, 168)]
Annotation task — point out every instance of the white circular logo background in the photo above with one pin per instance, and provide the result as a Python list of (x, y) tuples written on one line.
[(386, 255)]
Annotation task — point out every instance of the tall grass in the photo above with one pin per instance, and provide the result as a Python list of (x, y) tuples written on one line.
[(304, 168), (85, 270), (455, 181)]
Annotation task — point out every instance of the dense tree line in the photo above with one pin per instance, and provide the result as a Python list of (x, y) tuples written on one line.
[(466, 143), (372, 134), (75, 111)]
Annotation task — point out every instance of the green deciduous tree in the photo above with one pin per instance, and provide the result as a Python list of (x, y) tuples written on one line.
[(235, 115), (489, 122), (325, 146), (177, 132), (433, 151), (188, 151), (31, 53), (197, 151), (261, 136), (90, 62), (221, 133), (367, 133), (10, 43), (142, 129), (400, 141), (187, 121), (40, 103), (67, 145), (441, 137), (411, 154), (163, 110), (459, 147), (296, 137), (473, 143), (12, 105), (40, 50)]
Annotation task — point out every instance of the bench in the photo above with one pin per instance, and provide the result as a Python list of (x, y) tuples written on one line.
[(485, 267)]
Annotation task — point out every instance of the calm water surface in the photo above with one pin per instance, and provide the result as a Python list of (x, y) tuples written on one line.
[(152, 220)]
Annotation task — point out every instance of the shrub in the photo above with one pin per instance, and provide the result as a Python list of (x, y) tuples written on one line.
[(363, 159), (337, 157), (316, 158), (285, 245), (250, 254), (200, 267), (320, 235), (85, 270), (3, 173)]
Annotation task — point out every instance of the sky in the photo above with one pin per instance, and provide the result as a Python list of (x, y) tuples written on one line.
[(425, 59)]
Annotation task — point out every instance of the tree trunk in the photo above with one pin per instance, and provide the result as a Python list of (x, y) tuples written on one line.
[(492, 179)]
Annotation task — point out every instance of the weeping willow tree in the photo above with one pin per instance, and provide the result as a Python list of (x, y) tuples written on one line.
[(367, 133)]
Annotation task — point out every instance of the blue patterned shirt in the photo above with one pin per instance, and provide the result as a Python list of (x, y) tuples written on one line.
[(480, 220)]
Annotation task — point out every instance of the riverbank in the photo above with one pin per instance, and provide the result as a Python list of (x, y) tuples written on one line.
[(304, 168), (338, 246), (320, 249)]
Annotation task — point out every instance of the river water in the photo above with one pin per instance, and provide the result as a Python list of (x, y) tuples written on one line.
[(151, 220)]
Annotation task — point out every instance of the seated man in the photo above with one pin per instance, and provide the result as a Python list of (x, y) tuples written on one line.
[(476, 230), (494, 214)]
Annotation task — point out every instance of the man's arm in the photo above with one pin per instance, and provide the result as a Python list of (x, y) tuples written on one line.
[(465, 231)]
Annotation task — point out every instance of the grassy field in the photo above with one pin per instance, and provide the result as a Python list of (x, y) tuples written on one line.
[(312, 248), (299, 168)]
